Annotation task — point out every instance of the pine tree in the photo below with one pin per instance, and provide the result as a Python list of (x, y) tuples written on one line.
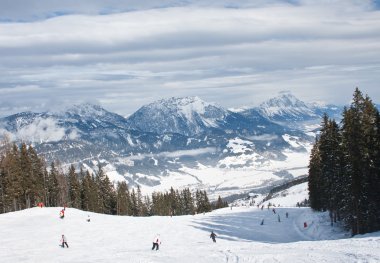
[(28, 180), (74, 188), (14, 179), (86, 191), (331, 161), (123, 199), (188, 202), (141, 209), (134, 206), (174, 202), (220, 203), (353, 145), (315, 189), (94, 199), (106, 194), (53, 186), (371, 175), (38, 167)]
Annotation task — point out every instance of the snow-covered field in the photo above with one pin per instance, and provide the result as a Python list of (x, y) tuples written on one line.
[(226, 180), (33, 235)]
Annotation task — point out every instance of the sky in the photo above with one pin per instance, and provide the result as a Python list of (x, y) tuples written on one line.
[(125, 54)]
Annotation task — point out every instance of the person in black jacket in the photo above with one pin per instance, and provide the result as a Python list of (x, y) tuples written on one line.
[(213, 236)]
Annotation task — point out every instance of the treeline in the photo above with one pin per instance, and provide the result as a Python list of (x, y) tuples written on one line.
[(344, 169), (25, 181)]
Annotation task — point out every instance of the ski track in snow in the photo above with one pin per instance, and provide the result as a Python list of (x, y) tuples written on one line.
[(33, 236)]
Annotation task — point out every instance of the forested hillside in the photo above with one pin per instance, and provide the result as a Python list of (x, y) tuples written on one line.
[(344, 169)]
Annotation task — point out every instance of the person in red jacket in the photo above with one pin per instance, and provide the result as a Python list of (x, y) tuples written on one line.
[(62, 214)]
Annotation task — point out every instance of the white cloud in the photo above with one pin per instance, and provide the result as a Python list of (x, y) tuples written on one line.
[(43, 130), (194, 152), (264, 137), (233, 56)]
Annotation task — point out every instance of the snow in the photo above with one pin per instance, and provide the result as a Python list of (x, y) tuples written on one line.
[(290, 196), (292, 140), (33, 235), (233, 174), (238, 145)]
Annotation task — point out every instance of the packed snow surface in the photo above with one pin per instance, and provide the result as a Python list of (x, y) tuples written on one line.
[(33, 235)]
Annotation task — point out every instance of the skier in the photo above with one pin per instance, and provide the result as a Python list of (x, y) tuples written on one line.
[(278, 217), (64, 241), (88, 218), (287, 214), (262, 222), (156, 242), (213, 236), (62, 214), (274, 211)]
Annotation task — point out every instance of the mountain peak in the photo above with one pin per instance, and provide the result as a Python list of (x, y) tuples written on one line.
[(286, 107), (85, 110), (185, 115), (285, 99)]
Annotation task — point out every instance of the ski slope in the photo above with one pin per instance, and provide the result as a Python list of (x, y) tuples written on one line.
[(33, 235)]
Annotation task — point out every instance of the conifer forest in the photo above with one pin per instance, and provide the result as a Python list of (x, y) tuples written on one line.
[(344, 168), (25, 182)]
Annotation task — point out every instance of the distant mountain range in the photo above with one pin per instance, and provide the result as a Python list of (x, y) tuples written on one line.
[(172, 141), (287, 110)]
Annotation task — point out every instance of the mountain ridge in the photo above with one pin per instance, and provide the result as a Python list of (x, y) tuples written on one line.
[(179, 138)]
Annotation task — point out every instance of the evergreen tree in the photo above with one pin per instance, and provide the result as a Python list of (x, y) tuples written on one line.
[(141, 209), (123, 199), (106, 194), (14, 178), (94, 199), (86, 192), (344, 169), (38, 167), (188, 202), (74, 188), (315, 189), (134, 205), (28, 180), (353, 144), (220, 203), (53, 186)]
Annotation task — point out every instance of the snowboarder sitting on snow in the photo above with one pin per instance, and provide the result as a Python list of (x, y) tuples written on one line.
[(156, 242), (213, 236), (64, 241), (62, 214)]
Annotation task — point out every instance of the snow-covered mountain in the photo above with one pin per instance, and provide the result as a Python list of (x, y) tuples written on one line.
[(288, 110), (172, 142), (286, 107), (188, 116), (192, 116)]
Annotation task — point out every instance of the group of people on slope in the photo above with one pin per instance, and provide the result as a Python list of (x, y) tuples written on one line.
[(156, 240)]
